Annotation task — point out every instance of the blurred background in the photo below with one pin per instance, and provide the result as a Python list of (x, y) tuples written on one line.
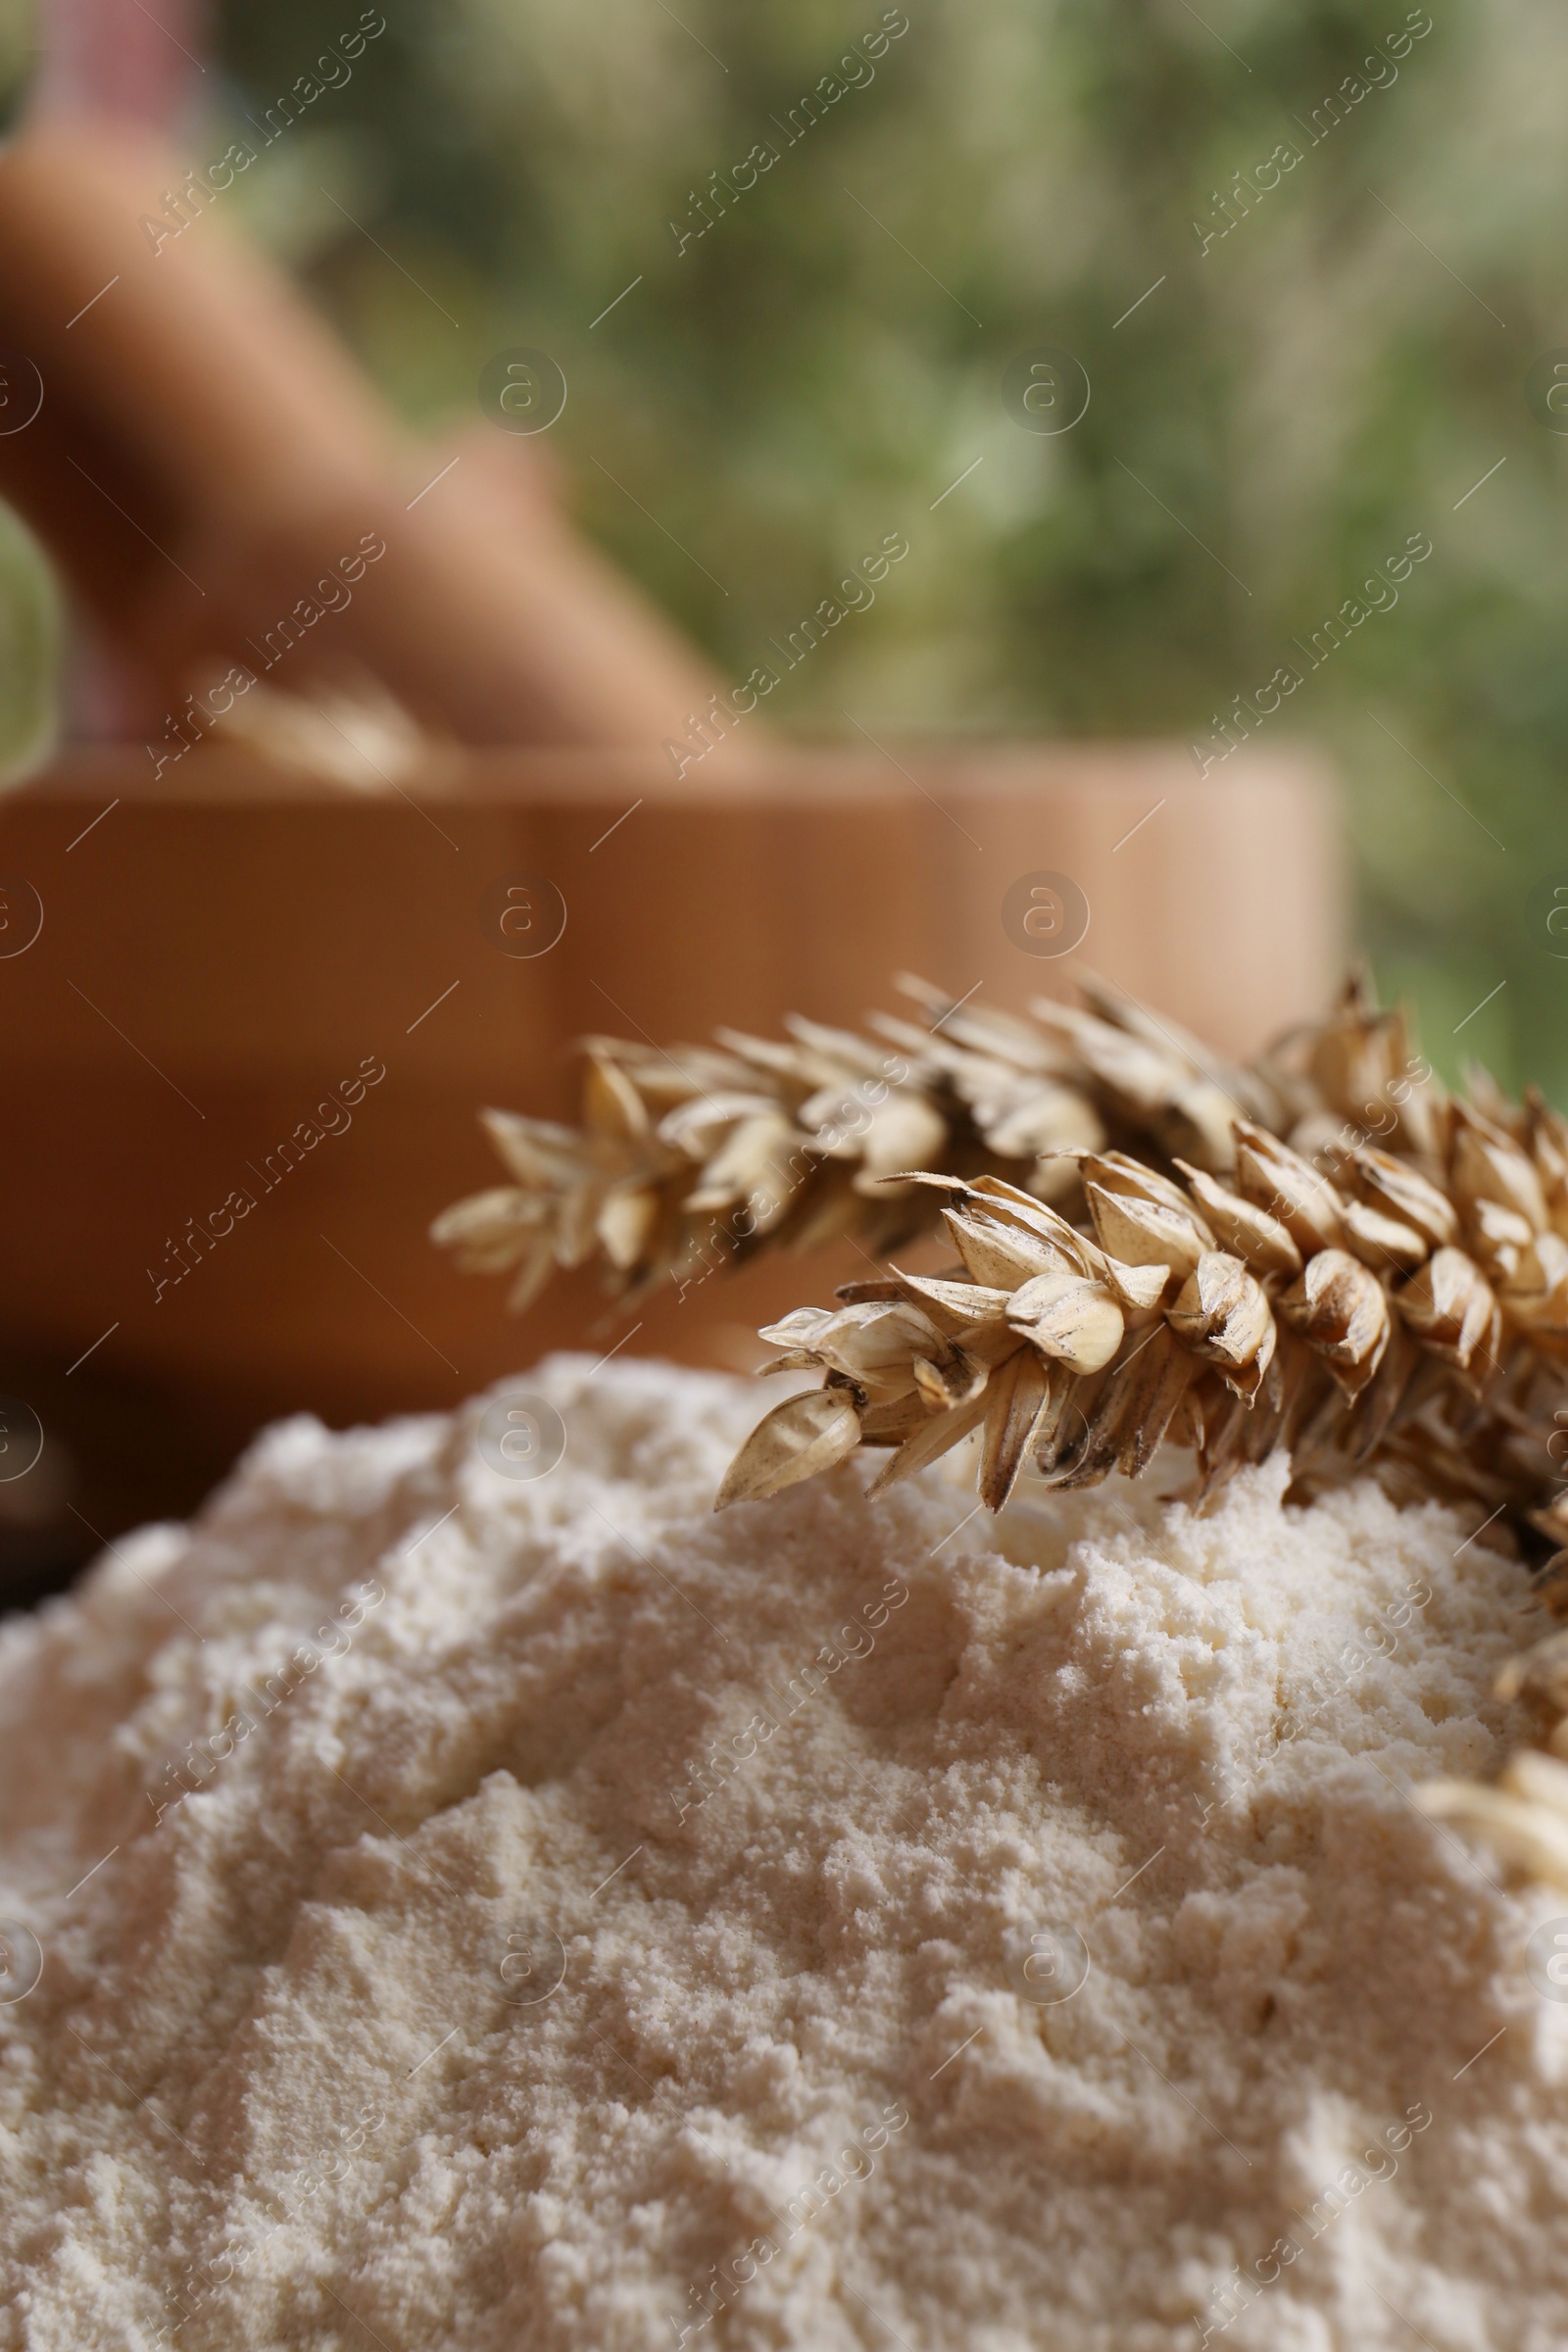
[(1324, 367), (1302, 262)]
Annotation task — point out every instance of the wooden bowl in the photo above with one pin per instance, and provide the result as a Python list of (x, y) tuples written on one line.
[(227, 952)]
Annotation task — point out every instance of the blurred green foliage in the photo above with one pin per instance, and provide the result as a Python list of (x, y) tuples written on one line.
[(19, 49), (1286, 404), (29, 614), (29, 650)]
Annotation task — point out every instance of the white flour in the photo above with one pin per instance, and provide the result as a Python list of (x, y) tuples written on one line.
[(286, 2079)]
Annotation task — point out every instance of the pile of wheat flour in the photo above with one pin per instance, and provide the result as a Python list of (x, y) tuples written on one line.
[(447, 1907)]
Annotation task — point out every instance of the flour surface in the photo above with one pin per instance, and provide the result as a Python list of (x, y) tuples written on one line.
[(538, 1916)]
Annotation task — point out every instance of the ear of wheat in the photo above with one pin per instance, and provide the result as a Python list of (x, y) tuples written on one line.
[(1151, 1243), (1398, 1320), (696, 1157), (1322, 1251)]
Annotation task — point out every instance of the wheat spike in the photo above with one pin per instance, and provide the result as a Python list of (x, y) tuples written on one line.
[(1407, 1314), (1322, 1251), (1399, 1305), (702, 1155)]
